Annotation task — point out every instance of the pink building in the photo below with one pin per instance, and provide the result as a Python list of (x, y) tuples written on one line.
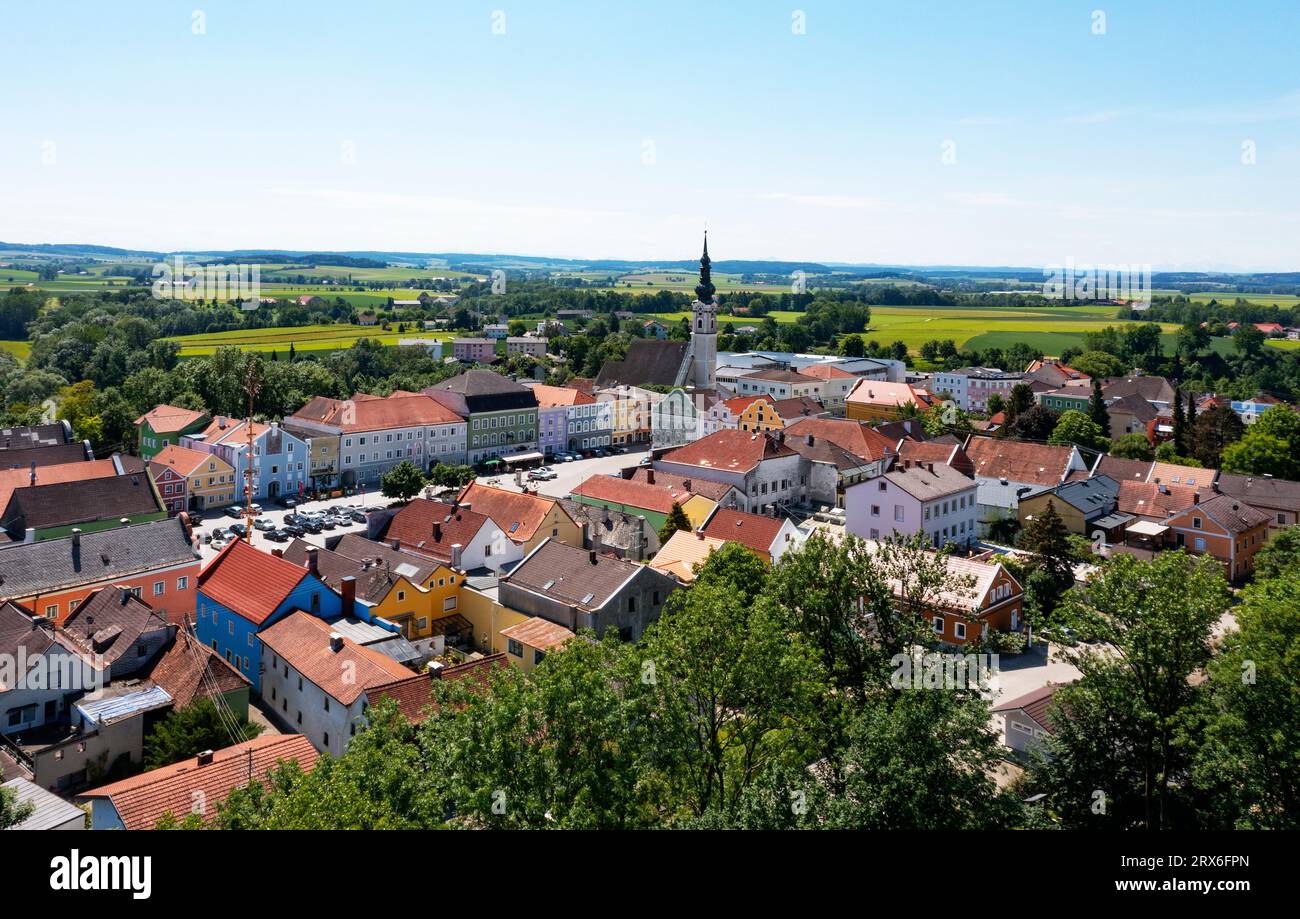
[(929, 498), (475, 350)]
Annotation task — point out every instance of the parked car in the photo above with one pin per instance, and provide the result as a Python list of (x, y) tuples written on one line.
[(264, 524), (277, 536), (293, 530), (219, 544), (239, 530), (219, 533), (311, 526), (327, 523), (234, 512), (358, 515), (288, 501)]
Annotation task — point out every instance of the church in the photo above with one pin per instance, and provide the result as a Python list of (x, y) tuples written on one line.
[(692, 364)]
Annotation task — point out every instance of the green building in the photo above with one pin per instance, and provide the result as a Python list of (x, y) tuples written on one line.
[(164, 425)]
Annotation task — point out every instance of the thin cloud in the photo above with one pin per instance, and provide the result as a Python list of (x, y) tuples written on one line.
[(841, 201)]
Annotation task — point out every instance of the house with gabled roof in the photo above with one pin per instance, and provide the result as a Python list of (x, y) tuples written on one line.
[(1026, 720), (980, 596), (767, 537), (192, 479), (1222, 527), (164, 425), (526, 518), (1008, 471), (654, 502), (280, 462), (1278, 498), (585, 589), (197, 785), (684, 553), (761, 467), (1084, 506), (243, 591), (453, 535), (880, 400), (316, 679)]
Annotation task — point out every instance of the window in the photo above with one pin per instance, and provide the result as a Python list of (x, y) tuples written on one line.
[(1196, 523), (1200, 544), (182, 583), (898, 513), (327, 703), (515, 648), (959, 629), (538, 656), (230, 626), (875, 510), (938, 625), (52, 609), (159, 588), (631, 604)]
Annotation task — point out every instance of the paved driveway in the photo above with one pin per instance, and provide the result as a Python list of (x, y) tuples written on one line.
[(276, 514), (1026, 672)]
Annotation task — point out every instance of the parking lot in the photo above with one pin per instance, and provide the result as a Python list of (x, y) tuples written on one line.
[(275, 514), (567, 477)]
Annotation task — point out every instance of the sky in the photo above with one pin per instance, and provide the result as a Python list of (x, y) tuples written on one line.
[(926, 132)]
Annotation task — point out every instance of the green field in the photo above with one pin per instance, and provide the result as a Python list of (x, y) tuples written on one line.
[(1053, 329), (315, 338), (19, 349)]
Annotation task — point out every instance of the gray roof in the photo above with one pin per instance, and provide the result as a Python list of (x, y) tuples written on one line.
[(40, 435), (487, 391), (51, 811), (54, 564), (927, 483), (1092, 496), (48, 455), (1261, 491), (649, 362), (84, 501)]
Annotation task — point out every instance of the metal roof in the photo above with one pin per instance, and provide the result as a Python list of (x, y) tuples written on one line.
[(114, 708), (51, 811)]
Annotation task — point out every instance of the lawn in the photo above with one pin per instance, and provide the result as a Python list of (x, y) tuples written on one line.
[(19, 349)]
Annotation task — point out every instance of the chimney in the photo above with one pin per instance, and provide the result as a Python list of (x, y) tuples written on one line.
[(699, 534), (437, 531), (76, 539), (810, 440), (456, 550), (33, 472), (592, 556), (313, 560), (122, 596), (686, 484), (349, 590), (278, 553), (596, 539), (1196, 497), (650, 476), (205, 758), (336, 642), (396, 544)]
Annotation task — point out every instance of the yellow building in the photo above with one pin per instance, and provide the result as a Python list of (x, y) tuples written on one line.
[(191, 479), (488, 618), (412, 591), (758, 415)]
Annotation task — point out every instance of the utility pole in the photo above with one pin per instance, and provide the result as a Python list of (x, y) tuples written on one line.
[(252, 386)]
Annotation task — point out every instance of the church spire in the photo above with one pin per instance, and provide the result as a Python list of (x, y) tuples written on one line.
[(704, 290)]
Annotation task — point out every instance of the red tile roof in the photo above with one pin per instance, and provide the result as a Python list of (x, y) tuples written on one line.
[(734, 451), (364, 412), (190, 670), (143, 799), (714, 491), (411, 693), (854, 436), (53, 475), (248, 582), (1230, 513), (1034, 464), (518, 515), (184, 460), (825, 372), (555, 396), (304, 641), (752, 530), (740, 403), (615, 490), (1145, 499), (169, 419), (431, 528)]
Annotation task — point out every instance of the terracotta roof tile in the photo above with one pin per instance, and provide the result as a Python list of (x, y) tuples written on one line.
[(714, 491), (169, 419), (143, 799), (735, 451), (50, 475), (184, 460), (616, 490), (859, 439), (190, 670), (683, 552), (556, 396), (248, 582), (1145, 499), (431, 528), (304, 641), (1232, 514), (752, 530), (1033, 464), (519, 515), (825, 371)]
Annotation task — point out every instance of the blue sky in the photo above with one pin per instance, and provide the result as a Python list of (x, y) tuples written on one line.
[(943, 132)]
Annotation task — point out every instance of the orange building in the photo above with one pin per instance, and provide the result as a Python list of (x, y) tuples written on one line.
[(156, 560), (877, 400), (1224, 528)]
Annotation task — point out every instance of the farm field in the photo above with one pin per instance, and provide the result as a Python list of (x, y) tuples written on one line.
[(1051, 329), (19, 349), (315, 338)]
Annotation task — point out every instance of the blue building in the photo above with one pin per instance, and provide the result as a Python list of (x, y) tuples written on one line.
[(281, 459), (243, 591)]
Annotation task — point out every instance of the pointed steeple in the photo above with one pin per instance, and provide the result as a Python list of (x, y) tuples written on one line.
[(704, 290)]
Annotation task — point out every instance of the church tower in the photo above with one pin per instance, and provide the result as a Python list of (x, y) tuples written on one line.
[(704, 327)]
